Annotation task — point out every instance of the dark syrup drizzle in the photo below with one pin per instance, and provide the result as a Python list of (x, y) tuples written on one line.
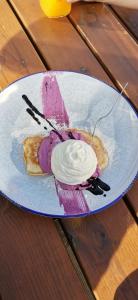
[(100, 183), (30, 112), (70, 135), (33, 110), (59, 135), (98, 187), (94, 185)]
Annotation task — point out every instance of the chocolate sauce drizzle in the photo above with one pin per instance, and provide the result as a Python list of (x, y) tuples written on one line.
[(32, 110), (70, 135), (59, 135), (32, 107), (94, 185), (97, 186)]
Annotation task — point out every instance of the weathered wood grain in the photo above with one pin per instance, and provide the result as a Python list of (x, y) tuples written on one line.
[(111, 43), (106, 245), (57, 40), (17, 56), (129, 17)]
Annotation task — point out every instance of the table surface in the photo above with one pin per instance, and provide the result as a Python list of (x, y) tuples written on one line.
[(87, 258)]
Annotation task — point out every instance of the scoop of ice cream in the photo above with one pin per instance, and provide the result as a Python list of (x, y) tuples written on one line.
[(47, 145), (73, 162)]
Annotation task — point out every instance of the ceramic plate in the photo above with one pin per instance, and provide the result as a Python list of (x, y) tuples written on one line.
[(84, 100)]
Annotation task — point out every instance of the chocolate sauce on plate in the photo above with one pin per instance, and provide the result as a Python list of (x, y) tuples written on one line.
[(70, 135), (98, 187), (32, 110)]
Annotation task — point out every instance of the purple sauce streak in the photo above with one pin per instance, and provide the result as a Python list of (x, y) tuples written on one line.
[(53, 104), (44, 155), (73, 201)]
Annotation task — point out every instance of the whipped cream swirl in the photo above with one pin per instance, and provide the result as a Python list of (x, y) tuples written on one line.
[(73, 162)]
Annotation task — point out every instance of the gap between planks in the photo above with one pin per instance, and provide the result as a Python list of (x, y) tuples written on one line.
[(29, 36), (97, 56), (74, 259), (130, 208), (95, 53), (123, 23)]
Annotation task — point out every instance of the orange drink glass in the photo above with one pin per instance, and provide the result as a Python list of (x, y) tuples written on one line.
[(55, 8)]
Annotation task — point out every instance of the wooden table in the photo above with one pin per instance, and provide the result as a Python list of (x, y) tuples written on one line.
[(76, 259)]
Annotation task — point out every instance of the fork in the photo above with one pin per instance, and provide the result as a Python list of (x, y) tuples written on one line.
[(109, 112)]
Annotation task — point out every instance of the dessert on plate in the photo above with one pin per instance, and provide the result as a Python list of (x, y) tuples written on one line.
[(74, 157)]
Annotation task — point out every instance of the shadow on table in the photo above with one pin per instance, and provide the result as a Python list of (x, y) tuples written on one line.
[(96, 240), (128, 289), (17, 55)]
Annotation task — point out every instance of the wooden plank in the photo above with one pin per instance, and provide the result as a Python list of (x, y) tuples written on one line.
[(129, 18), (58, 42), (34, 263), (17, 56), (133, 197), (111, 43), (106, 245)]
